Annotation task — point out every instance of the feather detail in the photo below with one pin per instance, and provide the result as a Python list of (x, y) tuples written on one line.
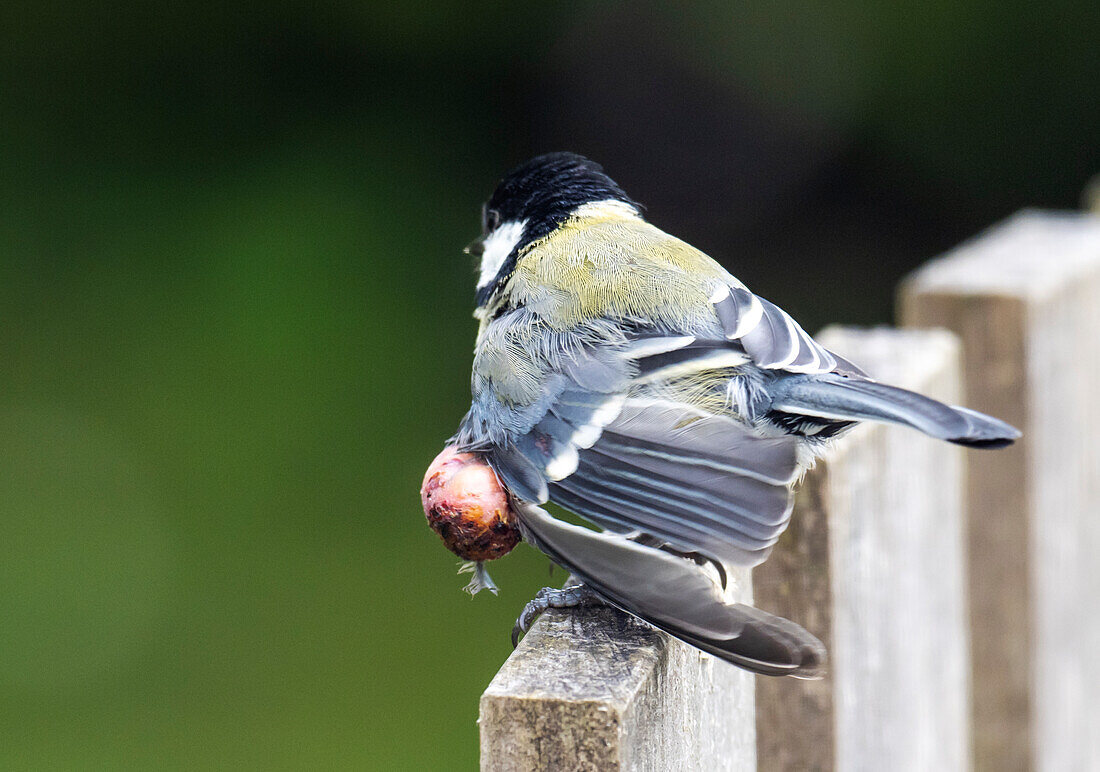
[(700, 482), (677, 596), (842, 398), (771, 338)]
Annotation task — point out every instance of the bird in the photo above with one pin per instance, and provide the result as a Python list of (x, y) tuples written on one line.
[(627, 377)]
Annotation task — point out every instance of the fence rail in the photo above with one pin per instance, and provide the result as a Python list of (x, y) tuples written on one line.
[(924, 569)]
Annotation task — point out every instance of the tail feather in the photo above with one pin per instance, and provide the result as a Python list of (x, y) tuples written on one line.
[(852, 398), (986, 431)]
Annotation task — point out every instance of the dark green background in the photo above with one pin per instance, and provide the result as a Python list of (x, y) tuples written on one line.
[(236, 320)]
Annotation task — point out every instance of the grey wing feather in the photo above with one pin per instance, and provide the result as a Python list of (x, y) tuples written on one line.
[(716, 441), (676, 596), (697, 481), (771, 338), (524, 477)]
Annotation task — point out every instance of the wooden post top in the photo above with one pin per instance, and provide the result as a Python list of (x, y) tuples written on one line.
[(593, 688), (1030, 255), (1024, 298)]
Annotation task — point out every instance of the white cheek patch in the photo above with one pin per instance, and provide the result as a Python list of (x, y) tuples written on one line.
[(498, 245)]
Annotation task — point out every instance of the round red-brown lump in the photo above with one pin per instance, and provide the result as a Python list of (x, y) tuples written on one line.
[(468, 507)]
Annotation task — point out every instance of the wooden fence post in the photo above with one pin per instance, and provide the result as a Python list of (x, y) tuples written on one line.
[(1025, 300), (873, 563), (596, 689)]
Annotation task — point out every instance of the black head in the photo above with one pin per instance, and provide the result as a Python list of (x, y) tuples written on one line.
[(529, 203)]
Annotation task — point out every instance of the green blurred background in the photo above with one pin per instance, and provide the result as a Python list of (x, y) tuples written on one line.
[(236, 318)]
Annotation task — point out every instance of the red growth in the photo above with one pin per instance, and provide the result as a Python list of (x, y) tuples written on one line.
[(468, 507)]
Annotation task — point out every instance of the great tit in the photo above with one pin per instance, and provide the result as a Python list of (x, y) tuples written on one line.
[(627, 377)]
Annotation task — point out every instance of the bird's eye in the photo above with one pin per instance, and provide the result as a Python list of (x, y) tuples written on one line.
[(490, 220)]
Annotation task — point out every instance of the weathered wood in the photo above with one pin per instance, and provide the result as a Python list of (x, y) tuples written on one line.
[(1025, 300), (795, 720), (1090, 199), (873, 563), (595, 689)]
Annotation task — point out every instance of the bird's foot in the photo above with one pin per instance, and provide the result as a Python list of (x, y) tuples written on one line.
[(570, 596), (481, 579)]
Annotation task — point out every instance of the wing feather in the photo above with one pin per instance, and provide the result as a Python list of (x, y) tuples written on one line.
[(697, 481), (771, 338), (675, 596), (654, 465)]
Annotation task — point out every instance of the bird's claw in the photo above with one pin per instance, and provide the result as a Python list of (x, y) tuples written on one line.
[(549, 597), (480, 580)]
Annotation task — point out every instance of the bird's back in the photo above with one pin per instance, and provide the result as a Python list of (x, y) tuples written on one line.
[(617, 266)]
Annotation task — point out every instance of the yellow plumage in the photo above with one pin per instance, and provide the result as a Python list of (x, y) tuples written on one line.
[(603, 263), (613, 264)]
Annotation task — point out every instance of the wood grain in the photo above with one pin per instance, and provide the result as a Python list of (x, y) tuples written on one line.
[(874, 563), (1024, 299), (595, 689)]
